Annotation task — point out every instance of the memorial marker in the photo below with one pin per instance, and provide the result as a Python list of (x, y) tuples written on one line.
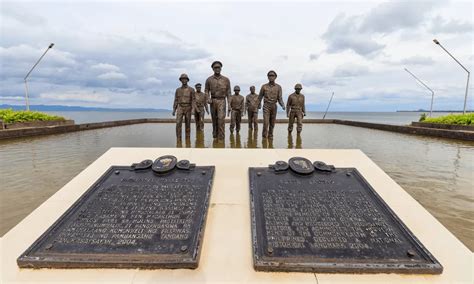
[(148, 215), (313, 217)]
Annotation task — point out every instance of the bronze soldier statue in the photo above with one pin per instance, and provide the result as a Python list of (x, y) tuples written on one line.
[(252, 106), (236, 109), (271, 94), (217, 89), (295, 109), (182, 106), (200, 104)]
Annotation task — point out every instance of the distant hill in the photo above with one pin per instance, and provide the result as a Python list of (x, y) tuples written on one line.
[(80, 108)]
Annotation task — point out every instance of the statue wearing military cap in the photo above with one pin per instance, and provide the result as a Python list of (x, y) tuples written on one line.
[(200, 105), (183, 105), (271, 93), (237, 109), (218, 91), (295, 108)]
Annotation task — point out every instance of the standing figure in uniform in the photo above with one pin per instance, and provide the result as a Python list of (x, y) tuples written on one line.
[(295, 109), (182, 106), (252, 106), (200, 104), (217, 89), (236, 110), (271, 94)]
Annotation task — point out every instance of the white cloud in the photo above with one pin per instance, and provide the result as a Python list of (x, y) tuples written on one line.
[(314, 56), (418, 60), (363, 50), (344, 34), (441, 25), (392, 16), (153, 80), (77, 96), (105, 67), (322, 81), (31, 54), (350, 70), (361, 33), (112, 76)]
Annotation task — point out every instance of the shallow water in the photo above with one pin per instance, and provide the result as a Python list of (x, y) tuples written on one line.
[(436, 172)]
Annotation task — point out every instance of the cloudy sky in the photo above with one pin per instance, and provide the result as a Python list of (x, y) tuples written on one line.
[(129, 54)]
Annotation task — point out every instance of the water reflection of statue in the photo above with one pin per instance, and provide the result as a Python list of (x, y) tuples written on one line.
[(188, 142), (235, 141), (218, 143), (238, 142), (267, 143), (199, 143), (232, 140), (299, 143), (252, 139)]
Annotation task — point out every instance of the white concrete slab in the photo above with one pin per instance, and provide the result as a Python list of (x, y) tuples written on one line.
[(226, 253)]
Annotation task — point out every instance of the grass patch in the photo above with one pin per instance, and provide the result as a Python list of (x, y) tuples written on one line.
[(11, 116), (459, 119)]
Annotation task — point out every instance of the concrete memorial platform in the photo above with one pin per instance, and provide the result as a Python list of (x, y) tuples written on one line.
[(226, 254)]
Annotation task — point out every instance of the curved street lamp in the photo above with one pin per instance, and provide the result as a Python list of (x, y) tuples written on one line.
[(468, 73), (432, 92), (29, 72)]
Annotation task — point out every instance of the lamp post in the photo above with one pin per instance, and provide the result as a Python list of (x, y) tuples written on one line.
[(421, 82), (29, 72), (330, 100), (468, 73)]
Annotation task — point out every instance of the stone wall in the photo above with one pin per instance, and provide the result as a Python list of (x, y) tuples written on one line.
[(444, 133), (28, 124), (444, 126)]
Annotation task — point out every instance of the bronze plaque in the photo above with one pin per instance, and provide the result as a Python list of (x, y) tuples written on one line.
[(316, 218), (148, 215)]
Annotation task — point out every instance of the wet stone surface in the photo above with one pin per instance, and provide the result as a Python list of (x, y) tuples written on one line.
[(133, 217), (326, 219)]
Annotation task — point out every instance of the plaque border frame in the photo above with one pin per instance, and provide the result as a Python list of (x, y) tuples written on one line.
[(316, 265), (33, 257)]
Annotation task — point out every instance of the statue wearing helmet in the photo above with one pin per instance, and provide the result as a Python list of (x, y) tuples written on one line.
[(295, 108), (271, 93), (236, 110), (183, 106)]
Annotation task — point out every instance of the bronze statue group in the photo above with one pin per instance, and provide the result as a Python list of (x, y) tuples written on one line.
[(217, 94)]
